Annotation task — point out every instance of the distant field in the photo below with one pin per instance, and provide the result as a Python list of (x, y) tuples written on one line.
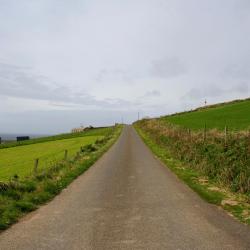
[(20, 160), (235, 115), (91, 132)]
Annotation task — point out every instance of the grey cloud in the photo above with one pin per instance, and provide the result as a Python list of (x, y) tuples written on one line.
[(153, 93), (5, 67), (101, 49), (242, 88), (168, 67), (213, 91), (101, 75), (14, 82), (196, 93), (117, 74), (64, 105), (242, 5), (238, 70)]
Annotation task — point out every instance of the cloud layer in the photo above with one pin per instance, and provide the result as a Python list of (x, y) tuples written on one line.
[(116, 57)]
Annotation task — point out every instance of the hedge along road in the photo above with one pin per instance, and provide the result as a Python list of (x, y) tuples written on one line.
[(127, 200)]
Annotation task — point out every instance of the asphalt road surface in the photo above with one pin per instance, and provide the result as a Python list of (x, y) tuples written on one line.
[(127, 200)]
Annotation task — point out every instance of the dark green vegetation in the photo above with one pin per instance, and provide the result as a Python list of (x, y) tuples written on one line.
[(235, 115), (19, 196), (221, 157)]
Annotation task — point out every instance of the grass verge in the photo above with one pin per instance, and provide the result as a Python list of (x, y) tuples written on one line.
[(18, 197), (235, 204)]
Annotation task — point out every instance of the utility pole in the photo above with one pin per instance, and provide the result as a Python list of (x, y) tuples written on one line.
[(205, 102), (138, 116)]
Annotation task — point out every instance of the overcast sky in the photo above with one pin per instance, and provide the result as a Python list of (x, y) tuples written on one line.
[(65, 63)]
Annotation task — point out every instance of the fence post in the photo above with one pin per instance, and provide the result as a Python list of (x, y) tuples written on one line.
[(226, 133), (77, 155), (205, 133), (66, 154), (36, 165)]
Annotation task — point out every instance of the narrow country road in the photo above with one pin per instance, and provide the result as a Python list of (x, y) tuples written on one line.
[(127, 200)]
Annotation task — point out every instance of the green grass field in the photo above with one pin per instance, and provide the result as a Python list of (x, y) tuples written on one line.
[(235, 115), (91, 132), (20, 160), (22, 195)]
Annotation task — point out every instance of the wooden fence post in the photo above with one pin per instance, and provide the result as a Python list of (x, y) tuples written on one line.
[(189, 133), (36, 165), (77, 155), (225, 135), (205, 133), (66, 154)]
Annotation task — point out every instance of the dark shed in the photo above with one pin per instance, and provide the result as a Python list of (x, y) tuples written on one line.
[(22, 138)]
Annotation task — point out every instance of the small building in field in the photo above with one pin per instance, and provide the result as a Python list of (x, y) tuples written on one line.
[(78, 130), (81, 129), (22, 138)]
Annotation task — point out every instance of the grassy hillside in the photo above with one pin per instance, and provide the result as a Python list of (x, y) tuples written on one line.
[(20, 160), (91, 132), (235, 115)]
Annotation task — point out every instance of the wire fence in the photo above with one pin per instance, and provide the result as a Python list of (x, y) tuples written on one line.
[(221, 155), (25, 167)]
